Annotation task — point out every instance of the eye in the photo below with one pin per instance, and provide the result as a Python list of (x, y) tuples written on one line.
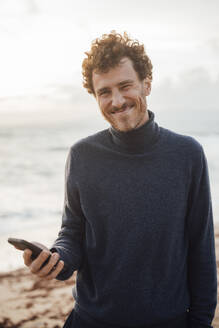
[(125, 87), (103, 93)]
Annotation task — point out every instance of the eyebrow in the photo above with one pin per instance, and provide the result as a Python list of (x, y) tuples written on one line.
[(125, 82), (119, 84)]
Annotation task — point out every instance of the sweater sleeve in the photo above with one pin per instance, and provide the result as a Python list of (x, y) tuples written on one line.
[(69, 241), (202, 272)]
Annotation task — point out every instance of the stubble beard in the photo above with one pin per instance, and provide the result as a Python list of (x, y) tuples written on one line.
[(140, 109)]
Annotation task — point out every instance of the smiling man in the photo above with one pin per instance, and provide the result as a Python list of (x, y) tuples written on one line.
[(137, 220), (121, 96)]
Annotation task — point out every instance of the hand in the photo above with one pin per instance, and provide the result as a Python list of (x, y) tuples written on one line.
[(48, 271)]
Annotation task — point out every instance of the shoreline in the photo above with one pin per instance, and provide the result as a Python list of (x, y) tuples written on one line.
[(29, 302)]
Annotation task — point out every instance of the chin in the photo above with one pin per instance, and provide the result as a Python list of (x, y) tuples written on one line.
[(123, 128)]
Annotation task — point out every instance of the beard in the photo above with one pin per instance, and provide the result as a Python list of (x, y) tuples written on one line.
[(131, 115)]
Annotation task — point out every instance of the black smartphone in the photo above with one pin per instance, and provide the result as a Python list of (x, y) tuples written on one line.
[(36, 250), (23, 244)]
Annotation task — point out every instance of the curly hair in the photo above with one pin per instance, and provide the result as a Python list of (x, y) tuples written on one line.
[(106, 53)]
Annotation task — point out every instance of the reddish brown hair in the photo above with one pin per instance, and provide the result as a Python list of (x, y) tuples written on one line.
[(107, 51)]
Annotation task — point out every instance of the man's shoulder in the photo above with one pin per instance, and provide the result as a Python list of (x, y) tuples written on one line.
[(182, 142), (90, 142)]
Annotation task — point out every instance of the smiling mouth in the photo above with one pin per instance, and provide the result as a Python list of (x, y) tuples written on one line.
[(121, 110)]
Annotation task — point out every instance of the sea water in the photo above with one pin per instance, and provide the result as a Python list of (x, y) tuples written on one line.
[(32, 167)]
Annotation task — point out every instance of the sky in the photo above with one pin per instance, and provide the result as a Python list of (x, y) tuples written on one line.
[(43, 44)]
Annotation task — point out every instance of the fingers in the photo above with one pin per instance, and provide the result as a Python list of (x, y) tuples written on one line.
[(48, 271), (27, 257), (51, 269), (38, 262), (50, 265), (56, 271)]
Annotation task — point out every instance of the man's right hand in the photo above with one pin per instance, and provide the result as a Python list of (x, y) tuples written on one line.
[(50, 270)]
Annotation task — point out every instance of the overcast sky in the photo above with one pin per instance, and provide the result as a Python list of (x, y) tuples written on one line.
[(43, 44)]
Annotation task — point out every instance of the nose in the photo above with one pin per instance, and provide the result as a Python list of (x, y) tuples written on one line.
[(117, 99)]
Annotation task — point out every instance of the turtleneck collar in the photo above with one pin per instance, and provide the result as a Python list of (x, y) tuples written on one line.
[(137, 140)]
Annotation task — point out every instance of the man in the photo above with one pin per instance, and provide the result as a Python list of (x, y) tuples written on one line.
[(137, 221)]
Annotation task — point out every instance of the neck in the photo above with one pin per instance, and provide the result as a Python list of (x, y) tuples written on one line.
[(139, 139)]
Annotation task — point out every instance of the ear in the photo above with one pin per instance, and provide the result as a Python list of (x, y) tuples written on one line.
[(147, 86)]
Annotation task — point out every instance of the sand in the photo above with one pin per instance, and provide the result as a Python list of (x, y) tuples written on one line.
[(29, 302)]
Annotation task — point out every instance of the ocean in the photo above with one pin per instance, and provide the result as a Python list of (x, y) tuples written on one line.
[(32, 178)]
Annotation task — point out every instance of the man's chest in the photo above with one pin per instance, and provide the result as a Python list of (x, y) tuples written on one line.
[(134, 189)]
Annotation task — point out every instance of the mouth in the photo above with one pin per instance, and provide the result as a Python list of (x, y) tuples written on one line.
[(122, 110)]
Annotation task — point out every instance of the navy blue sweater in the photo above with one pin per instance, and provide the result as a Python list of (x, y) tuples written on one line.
[(137, 226)]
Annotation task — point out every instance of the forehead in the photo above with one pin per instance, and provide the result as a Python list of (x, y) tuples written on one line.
[(123, 71)]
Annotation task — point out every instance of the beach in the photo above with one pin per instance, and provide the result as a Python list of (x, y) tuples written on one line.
[(29, 302)]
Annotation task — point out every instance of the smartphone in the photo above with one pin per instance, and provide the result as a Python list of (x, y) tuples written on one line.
[(23, 244), (36, 250)]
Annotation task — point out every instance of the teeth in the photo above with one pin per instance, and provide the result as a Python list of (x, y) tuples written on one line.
[(122, 110), (119, 110)]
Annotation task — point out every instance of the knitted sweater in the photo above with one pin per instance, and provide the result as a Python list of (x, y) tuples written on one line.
[(137, 226)]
